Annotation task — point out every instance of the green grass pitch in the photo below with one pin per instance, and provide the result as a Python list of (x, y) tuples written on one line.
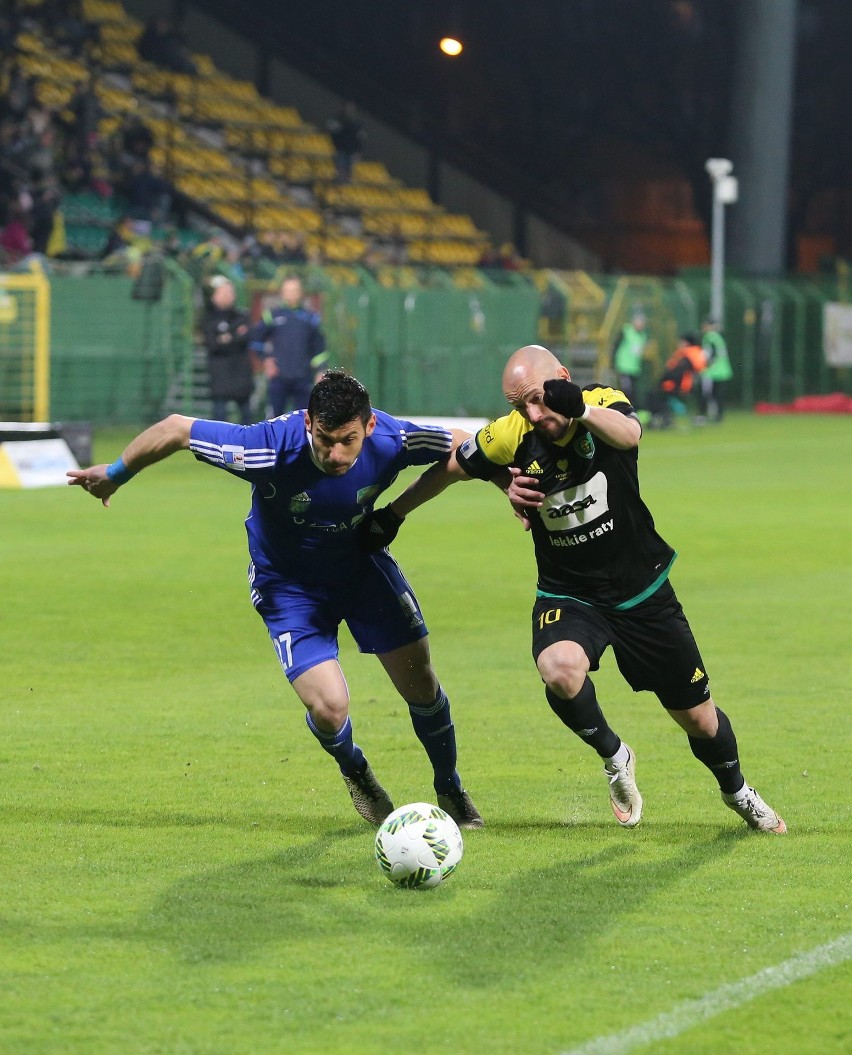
[(182, 871)]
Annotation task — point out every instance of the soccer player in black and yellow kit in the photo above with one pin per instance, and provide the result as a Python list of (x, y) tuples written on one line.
[(567, 458)]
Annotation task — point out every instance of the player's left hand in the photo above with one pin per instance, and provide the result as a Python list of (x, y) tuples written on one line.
[(95, 481), (564, 397), (378, 529), (523, 496)]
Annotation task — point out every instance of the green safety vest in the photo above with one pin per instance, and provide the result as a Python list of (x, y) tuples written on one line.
[(719, 365), (628, 353)]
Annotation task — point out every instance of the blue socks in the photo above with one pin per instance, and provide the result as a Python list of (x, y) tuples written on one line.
[(433, 726), (435, 730), (340, 745)]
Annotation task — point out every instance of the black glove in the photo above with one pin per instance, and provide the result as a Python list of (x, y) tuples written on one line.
[(564, 397), (378, 529)]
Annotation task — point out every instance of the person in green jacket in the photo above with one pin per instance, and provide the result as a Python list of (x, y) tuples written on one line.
[(627, 356), (716, 374)]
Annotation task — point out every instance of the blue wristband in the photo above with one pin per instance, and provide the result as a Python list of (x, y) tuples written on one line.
[(119, 473)]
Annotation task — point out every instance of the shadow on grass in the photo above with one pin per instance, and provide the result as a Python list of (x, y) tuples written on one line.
[(474, 930), (156, 817)]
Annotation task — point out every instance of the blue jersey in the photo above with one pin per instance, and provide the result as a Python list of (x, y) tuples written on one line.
[(297, 342), (302, 521)]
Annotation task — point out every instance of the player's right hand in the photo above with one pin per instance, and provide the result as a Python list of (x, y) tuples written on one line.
[(378, 529), (523, 496), (95, 481), (564, 397)]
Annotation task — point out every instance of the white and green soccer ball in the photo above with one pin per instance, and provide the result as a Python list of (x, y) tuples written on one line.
[(418, 845)]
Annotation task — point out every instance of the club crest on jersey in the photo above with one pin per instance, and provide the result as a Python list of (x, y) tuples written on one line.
[(234, 457), (585, 446), (366, 494), (299, 503)]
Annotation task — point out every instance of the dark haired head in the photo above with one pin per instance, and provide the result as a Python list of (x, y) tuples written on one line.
[(338, 398)]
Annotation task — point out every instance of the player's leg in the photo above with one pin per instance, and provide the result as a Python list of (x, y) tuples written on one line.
[(414, 678), (276, 395), (387, 621), (666, 659), (323, 691), (303, 629), (568, 641)]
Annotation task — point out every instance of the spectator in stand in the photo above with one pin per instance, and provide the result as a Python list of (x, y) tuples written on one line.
[(15, 238), (347, 135), (64, 19), (137, 139), (292, 346), (291, 249), (149, 196), (225, 330), (18, 96), (163, 45), (87, 111), (46, 201), (509, 258)]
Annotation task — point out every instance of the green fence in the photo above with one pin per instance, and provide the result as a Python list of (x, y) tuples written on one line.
[(423, 342), (420, 348), (117, 342)]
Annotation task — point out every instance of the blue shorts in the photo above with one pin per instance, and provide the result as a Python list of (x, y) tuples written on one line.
[(376, 603)]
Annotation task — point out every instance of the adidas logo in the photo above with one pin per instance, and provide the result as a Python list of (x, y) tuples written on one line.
[(697, 676), (534, 470)]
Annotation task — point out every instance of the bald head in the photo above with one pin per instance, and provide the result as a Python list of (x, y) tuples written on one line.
[(530, 365), (523, 385)]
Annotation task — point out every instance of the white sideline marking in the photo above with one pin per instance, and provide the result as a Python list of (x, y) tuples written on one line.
[(725, 998)]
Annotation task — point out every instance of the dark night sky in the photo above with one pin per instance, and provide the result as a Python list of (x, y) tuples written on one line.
[(551, 95)]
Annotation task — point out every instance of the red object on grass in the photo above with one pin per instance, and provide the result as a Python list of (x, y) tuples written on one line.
[(833, 403)]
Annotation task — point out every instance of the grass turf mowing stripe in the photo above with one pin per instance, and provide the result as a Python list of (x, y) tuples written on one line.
[(725, 998)]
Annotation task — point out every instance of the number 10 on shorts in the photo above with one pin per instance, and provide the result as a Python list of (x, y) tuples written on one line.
[(552, 615)]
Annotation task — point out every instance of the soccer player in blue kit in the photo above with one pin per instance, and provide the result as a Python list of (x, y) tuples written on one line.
[(315, 473)]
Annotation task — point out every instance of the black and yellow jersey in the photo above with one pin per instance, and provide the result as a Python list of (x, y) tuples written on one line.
[(594, 536)]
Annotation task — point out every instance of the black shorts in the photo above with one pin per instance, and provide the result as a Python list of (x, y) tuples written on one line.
[(652, 643)]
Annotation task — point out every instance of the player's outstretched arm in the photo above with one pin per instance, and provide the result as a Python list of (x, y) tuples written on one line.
[(153, 445), (379, 528)]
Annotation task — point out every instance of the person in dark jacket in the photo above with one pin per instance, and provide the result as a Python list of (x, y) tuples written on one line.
[(292, 346), (226, 330)]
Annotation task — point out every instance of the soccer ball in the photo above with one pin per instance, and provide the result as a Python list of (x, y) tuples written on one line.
[(418, 845)]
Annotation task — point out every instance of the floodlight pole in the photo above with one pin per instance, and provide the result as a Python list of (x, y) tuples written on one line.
[(724, 193)]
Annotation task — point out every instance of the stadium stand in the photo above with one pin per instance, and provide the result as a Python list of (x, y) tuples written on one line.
[(228, 155)]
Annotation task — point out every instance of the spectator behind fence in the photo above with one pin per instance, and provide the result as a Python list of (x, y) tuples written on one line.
[(718, 372), (292, 345), (225, 330), (677, 382), (627, 356)]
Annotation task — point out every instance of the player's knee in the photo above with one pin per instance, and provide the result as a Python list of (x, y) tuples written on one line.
[(563, 668), (701, 722), (328, 715)]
